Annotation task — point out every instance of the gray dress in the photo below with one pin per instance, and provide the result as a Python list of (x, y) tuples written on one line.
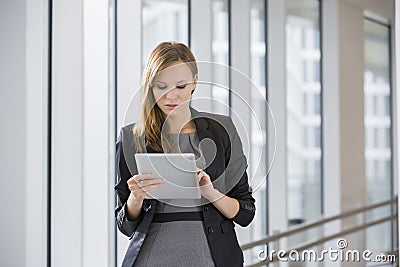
[(177, 243)]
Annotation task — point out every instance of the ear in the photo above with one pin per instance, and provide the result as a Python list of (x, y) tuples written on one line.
[(195, 79)]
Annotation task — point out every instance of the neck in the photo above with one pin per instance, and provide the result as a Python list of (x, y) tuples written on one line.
[(180, 122)]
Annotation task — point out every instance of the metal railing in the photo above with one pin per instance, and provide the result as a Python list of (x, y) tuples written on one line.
[(310, 225)]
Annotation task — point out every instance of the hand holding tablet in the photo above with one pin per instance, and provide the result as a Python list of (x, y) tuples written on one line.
[(178, 173), (142, 184)]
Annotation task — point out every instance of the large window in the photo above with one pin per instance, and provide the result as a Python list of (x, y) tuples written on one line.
[(303, 84), (377, 120), (163, 20), (303, 109), (220, 55), (258, 166)]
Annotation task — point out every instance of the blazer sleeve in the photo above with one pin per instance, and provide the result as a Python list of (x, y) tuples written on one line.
[(237, 179), (126, 226)]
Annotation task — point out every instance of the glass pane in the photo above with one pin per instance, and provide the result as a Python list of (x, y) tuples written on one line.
[(303, 97), (163, 20), (220, 54), (258, 162), (303, 110), (377, 120)]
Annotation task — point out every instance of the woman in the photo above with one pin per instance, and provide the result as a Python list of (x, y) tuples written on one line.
[(181, 233)]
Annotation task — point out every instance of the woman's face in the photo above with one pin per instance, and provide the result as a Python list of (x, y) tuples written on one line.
[(172, 88)]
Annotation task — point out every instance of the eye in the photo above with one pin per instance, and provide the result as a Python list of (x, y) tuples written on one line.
[(181, 86), (161, 87)]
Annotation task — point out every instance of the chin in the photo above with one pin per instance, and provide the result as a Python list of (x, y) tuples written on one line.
[(169, 112)]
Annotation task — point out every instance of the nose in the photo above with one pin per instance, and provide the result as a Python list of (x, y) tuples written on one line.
[(171, 94)]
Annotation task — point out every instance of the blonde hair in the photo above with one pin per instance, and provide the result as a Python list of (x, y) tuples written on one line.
[(148, 130)]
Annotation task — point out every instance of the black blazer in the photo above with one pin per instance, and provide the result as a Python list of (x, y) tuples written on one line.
[(227, 170)]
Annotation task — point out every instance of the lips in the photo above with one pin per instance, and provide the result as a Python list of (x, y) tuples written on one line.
[(171, 106)]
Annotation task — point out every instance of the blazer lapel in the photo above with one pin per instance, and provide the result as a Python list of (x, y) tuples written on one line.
[(202, 126)]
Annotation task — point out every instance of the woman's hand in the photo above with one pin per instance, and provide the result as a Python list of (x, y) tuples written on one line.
[(229, 207), (142, 184), (206, 187)]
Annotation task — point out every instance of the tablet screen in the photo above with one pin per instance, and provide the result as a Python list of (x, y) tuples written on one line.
[(178, 171)]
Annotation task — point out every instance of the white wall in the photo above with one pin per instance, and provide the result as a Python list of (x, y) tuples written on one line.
[(351, 115), (396, 97), (331, 121), (82, 136), (67, 134), (37, 120), (277, 199), (129, 47), (98, 140), (82, 228), (13, 145)]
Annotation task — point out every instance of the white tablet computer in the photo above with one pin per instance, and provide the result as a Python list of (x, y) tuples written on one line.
[(178, 171)]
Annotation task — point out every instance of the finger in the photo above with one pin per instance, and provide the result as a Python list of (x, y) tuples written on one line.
[(132, 184), (147, 182), (201, 173), (131, 180), (139, 183), (142, 176), (137, 178), (134, 187), (151, 188)]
